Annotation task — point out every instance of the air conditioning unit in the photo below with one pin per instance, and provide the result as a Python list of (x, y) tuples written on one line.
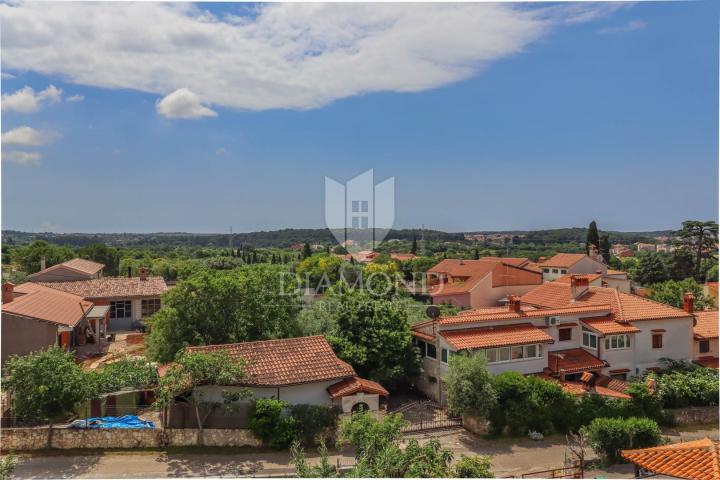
[(551, 321)]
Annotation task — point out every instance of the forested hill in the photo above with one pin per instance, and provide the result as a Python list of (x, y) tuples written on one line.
[(287, 237)]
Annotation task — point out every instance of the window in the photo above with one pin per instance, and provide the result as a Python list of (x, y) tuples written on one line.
[(563, 270), (364, 206), (704, 346), (509, 354), (589, 340), (546, 270), (150, 306), (617, 342), (355, 222), (444, 355), (657, 340), (565, 334), (121, 309), (421, 347), (555, 270), (431, 351), (355, 206), (364, 222)]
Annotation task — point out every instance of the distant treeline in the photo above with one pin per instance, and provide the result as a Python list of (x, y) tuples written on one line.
[(277, 238), (577, 235)]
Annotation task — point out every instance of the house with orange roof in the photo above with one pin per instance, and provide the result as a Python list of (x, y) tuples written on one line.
[(572, 332), (403, 257), (572, 263), (129, 299), (35, 317), (612, 279), (705, 335), (693, 460), (75, 269), (302, 370), (480, 283)]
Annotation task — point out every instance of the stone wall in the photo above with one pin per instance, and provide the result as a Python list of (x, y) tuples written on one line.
[(695, 415), (20, 439)]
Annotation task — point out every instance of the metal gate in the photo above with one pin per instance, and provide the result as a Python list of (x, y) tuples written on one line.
[(426, 415)]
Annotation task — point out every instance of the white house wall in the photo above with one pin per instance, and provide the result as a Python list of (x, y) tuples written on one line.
[(308, 393), (677, 342), (713, 349)]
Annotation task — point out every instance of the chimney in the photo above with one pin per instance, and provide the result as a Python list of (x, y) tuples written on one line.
[(143, 273), (689, 302), (514, 303), (7, 292), (578, 286), (42, 262), (542, 260)]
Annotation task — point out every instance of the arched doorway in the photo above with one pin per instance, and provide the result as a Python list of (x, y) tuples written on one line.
[(360, 407)]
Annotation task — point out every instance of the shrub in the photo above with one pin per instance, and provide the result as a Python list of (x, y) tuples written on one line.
[(313, 421), (698, 387), (610, 435), (271, 423), (529, 403), (476, 466)]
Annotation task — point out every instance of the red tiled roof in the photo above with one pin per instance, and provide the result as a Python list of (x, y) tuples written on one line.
[(467, 274), (608, 326), (591, 277), (563, 260), (288, 361), (706, 325), (577, 389), (504, 313), (85, 266), (573, 360), (402, 257), (489, 337), (351, 386), (695, 460), (625, 306), (112, 287), (708, 362), (36, 301)]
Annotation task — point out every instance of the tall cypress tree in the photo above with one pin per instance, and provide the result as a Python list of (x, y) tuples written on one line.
[(476, 254), (307, 251), (593, 238), (605, 247), (413, 249)]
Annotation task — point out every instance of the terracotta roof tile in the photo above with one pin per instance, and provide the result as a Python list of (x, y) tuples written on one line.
[(577, 389), (625, 306), (706, 325), (288, 361), (695, 460), (489, 337), (351, 386), (563, 260), (504, 313), (85, 266), (608, 326), (36, 301), (467, 274), (573, 360), (112, 287)]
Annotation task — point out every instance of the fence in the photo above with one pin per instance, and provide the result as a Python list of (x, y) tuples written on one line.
[(426, 415)]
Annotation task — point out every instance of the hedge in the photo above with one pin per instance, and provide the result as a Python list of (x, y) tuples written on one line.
[(610, 435)]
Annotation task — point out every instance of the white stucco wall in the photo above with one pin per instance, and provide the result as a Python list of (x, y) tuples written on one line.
[(348, 402), (309, 393), (677, 342)]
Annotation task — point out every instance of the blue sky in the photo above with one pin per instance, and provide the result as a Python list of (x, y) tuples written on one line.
[(549, 122)]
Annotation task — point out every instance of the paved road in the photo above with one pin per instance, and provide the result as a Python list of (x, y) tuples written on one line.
[(509, 457)]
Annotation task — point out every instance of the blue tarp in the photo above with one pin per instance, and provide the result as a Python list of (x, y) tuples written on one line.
[(127, 421)]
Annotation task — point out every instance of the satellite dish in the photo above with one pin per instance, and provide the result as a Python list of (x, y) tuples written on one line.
[(432, 311)]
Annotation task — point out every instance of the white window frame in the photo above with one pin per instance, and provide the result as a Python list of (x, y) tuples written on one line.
[(509, 349), (589, 336), (616, 338)]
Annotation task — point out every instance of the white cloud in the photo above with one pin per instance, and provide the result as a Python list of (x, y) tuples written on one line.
[(295, 56), (630, 26), (22, 158), (220, 151), (182, 103), (7, 76), (26, 100), (75, 98), (28, 136)]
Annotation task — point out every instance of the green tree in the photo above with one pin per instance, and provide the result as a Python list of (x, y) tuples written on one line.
[(7, 466), (468, 385), (28, 257), (373, 335), (680, 264), (269, 423), (593, 237), (101, 253), (193, 369), (413, 248), (605, 247), (608, 436), (47, 385), (319, 271), (701, 238), (476, 466), (672, 292), (254, 302), (307, 251), (650, 269)]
